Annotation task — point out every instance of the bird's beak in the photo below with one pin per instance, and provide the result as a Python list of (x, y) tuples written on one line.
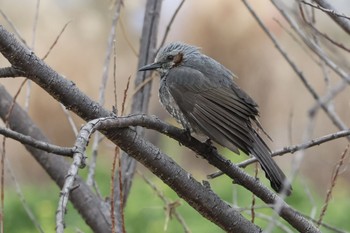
[(152, 66)]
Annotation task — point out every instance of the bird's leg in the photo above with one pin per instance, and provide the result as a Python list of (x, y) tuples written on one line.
[(187, 133), (210, 144), (212, 148)]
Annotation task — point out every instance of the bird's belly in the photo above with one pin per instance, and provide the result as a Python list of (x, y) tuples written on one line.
[(172, 108)]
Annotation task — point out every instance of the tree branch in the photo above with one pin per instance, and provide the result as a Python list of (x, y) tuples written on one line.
[(10, 72), (210, 206), (344, 23), (96, 213), (42, 145)]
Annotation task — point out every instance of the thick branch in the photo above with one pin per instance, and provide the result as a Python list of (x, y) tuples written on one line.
[(128, 140), (149, 155), (140, 101)]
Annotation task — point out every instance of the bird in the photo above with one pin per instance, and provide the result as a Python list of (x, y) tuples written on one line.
[(202, 95)]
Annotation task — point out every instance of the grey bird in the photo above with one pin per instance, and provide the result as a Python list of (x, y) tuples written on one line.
[(201, 94)]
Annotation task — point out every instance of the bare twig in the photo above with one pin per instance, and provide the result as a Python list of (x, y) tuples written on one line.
[(330, 113), (115, 109), (112, 205), (102, 89), (20, 194), (166, 203), (121, 23), (330, 190), (13, 27), (35, 23), (2, 182), (324, 35), (331, 93), (167, 30), (314, 47), (252, 207), (29, 83), (56, 40), (292, 149), (144, 83), (27, 140), (125, 96), (341, 21), (121, 192), (328, 11), (290, 33), (3, 154), (70, 120), (325, 225)]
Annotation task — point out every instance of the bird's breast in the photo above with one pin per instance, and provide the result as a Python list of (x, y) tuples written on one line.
[(169, 103)]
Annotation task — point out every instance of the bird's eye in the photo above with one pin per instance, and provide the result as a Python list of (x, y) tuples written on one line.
[(170, 57)]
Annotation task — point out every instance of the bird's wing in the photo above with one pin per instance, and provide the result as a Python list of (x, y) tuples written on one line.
[(221, 112)]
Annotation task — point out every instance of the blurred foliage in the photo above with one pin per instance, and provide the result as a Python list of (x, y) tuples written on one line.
[(145, 212)]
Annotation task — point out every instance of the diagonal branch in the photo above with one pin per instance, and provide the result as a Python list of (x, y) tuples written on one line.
[(210, 206), (344, 23)]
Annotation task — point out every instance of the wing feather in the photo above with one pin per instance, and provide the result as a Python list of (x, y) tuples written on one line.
[(224, 113)]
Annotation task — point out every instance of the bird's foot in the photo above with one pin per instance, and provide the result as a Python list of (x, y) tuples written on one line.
[(187, 133)]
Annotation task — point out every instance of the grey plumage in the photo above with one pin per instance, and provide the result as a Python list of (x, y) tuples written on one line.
[(201, 94)]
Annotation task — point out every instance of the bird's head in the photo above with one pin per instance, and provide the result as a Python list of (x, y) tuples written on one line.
[(172, 55)]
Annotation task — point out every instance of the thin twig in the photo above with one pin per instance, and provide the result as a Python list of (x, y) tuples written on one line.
[(126, 37), (102, 89), (171, 209), (167, 30), (331, 93), (56, 40), (328, 11), (3, 154), (294, 38), (121, 192), (330, 113), (141, 85), (70, 120), (20, 194), (2, 207), (330, 190), (292, 149), (252, 207), (112, 205), (342, 22), (13, 27), (115, 110), (325, 225), (314, 29), (35, 24), (27, 140), (125, 96)]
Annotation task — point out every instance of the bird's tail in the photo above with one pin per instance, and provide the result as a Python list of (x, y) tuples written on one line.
[(272, 172)]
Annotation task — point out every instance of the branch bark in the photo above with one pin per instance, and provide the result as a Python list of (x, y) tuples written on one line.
[(198, 196), (342, 22), (140, 101)]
